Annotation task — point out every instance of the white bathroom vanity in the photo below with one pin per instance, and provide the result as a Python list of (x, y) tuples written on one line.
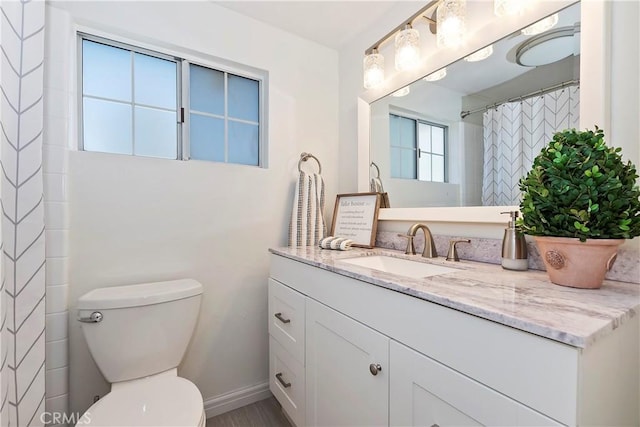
[(352, 345)]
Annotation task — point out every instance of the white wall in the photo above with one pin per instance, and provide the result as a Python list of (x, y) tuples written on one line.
[(472, 136), (56, 125), (625, 83), (140, 219)]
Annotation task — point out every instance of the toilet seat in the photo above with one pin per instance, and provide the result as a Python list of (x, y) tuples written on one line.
[(155, 401)]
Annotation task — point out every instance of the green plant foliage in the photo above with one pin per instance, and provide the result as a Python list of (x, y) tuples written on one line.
[(580, 187)]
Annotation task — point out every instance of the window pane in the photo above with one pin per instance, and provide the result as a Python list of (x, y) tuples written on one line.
[(107, 126), (408, 159), (438, 140), (424, 136), (155, 81), (438, 169), (206, 138), (407, 133), (155, 133), (394, 130), (243, 98), (243, 143), (106, 71), (395, 163), (207, 90), (425, 167)]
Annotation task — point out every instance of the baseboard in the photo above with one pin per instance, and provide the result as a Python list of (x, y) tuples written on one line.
[(236, 399)]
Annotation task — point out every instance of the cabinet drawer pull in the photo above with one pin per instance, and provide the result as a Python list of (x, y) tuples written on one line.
[(283, 382), (282, 319), (374, 368)]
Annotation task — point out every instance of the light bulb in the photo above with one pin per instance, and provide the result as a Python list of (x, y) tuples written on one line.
[(541, 26), (401, 92), (407, 49), (451, 27), (373, 69), (435, 76), (479, 55)]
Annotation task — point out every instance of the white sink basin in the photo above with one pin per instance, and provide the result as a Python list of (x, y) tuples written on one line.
[(399, 266)]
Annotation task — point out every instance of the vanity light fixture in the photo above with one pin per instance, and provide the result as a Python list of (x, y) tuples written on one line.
[(373, 69), (401, 92), (541, 26), (451, 27), (479, 55), (437, 75), (407, 48), (407, 40), (509, 7)]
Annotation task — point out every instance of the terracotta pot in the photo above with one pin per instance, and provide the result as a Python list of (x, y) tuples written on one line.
[(570, 262)]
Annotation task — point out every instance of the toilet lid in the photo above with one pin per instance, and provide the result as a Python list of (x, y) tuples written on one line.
[(156, 401)]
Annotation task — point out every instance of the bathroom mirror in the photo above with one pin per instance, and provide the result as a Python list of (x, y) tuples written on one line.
[(466, 139)]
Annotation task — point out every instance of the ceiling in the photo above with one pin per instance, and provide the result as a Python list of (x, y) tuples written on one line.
[(330, 23)]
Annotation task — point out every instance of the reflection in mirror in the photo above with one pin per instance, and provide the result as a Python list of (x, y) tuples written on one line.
[(464, 135)]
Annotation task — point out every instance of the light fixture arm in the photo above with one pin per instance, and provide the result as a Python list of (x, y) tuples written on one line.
[(421, 13)]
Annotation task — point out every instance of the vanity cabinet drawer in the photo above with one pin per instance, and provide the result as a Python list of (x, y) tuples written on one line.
[(287, 381), (286, 318)]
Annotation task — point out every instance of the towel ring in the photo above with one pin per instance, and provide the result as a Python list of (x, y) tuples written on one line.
[(306, 156), (377, 169)]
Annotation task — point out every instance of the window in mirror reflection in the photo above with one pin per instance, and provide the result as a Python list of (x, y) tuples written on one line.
[(418, 149)]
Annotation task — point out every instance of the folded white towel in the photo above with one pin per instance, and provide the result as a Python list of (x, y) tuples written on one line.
[(337, 243), (307, 225)]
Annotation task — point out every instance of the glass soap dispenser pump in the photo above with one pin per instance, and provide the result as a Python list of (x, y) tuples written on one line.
[(514, 246)]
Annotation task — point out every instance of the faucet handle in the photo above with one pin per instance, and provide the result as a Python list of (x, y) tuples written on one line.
[(452, 255), (411, 249)]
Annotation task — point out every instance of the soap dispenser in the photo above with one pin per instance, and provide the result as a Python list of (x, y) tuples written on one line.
[(514, 246)]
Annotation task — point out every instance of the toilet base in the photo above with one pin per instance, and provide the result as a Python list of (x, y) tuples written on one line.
[(161, 400)]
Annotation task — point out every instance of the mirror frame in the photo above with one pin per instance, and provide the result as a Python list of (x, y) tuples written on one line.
[(595, 101)]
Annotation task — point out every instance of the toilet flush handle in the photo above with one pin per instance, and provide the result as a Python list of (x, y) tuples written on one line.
[(94, 317)]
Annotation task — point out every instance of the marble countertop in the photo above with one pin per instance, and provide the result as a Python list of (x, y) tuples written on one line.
[(524, 300)]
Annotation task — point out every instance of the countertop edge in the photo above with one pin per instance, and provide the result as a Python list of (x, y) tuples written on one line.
[(494, 316)]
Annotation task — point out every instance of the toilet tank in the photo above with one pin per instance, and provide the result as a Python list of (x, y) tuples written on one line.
[(144, 329)]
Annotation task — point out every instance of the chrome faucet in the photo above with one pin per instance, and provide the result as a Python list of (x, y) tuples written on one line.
[(429, 246)]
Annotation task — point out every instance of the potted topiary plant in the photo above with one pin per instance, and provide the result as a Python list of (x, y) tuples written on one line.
[(580, 201)]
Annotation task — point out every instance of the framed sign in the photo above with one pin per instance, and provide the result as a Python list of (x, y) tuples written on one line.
[(355, 217)]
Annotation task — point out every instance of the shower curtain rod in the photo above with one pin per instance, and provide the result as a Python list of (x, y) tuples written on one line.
[(576, 82)]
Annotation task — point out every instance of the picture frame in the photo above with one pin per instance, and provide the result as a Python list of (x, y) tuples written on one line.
[(355, 217)]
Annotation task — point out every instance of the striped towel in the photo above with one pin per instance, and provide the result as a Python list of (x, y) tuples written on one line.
[(336, 243), (307, 225)]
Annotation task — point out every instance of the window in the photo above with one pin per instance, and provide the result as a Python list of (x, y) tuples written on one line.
[(418, 149), (225, 124), (134, 101)]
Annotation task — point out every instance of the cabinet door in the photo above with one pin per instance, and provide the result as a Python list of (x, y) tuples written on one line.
[(424, 392), (346, 370)]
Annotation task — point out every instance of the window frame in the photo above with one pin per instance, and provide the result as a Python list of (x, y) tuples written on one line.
[(417, 119), (444, 155), (184, 58)]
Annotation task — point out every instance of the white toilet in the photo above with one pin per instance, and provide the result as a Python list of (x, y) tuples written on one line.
[(137, 336)]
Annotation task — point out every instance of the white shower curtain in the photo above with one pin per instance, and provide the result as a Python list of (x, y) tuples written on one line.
[(514, 134), (22, 309)]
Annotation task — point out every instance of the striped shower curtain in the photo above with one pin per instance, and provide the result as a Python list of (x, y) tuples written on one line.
[(514, 134), (22, 292)]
